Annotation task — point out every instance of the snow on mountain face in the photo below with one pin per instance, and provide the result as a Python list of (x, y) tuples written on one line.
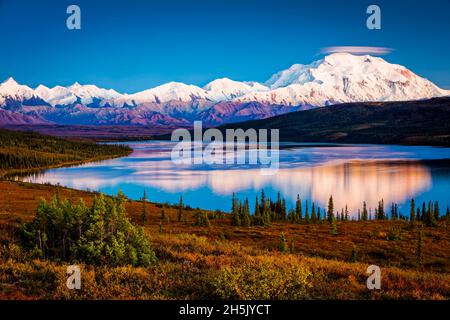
[(172, 91), (337, 78), (10, 89), (342, 77), (225, 89), (84, 94)]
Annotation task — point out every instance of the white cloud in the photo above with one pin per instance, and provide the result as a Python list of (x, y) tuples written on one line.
[(357, 50)]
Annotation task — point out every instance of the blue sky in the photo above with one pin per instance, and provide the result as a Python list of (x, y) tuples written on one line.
[(133, 45)]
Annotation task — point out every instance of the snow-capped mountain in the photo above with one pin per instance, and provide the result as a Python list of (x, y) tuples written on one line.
[(226, 89), (337, 78), (343, 77), (14, 95), (76, 93)]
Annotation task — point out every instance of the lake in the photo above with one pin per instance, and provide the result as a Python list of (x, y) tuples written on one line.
[(351, 173)]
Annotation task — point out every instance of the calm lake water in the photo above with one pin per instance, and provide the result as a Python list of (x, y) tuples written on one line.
[(351, 173)]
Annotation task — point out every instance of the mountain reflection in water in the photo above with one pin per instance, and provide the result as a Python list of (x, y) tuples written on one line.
[(352, 174)]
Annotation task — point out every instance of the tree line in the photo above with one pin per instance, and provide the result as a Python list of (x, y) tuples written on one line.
[(267, 211), (28, 150)]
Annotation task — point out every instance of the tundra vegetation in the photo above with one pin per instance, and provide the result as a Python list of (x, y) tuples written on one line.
[(148, 250), (204, 255)]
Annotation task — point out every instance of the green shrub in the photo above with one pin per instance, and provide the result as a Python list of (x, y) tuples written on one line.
[(263, 280), (100, 235)]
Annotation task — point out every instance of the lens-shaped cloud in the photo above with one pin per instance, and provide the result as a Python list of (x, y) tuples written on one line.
[(357, 50)]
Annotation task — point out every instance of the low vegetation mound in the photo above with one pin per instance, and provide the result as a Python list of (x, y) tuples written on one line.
[(97, 235)]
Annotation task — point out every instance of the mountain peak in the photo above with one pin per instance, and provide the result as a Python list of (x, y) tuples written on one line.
[(10, 82), (76, 84), (345, 58)]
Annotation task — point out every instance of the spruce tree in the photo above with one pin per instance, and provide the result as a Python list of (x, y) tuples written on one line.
[(144, 209), (333, 226), (381, 215), (180, 209), (424, 213), (436, 211), (393, 212), (330, 212), (257, 214), (298, 209), (313, 213), (246, 220), (277, 208), (306, 212), (283, 210), (365, 215), (283, 244), (235, 218), (419, 248)]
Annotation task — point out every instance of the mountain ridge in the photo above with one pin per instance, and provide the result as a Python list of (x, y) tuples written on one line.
[(337, 78)]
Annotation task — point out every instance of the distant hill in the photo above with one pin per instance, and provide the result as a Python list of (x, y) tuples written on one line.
[(27, 151), (424, 122)]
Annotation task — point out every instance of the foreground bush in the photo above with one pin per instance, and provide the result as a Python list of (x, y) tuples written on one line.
[(99, 235), (261, 279)]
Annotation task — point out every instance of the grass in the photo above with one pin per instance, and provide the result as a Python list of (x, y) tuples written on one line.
[(226, 262)]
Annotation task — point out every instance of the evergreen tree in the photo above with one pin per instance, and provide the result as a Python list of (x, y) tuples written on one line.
[(306, 212), (381, 215), (277, 208), (346, 213), (419, 248), (180, 209), (266, 220), (330, 212), (365, 215), (354, 253), (235, 218), (257, 214), (424, 213), (99, 235), (283, 210), (359, 215), (233, 204), (283, 244), (298, 209), (436, 211), (202, 219), (313, 213), (144, 209), (246, 219), (333, 226)]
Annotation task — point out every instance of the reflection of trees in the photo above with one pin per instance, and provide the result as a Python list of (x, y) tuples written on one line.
[(350, 183)]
